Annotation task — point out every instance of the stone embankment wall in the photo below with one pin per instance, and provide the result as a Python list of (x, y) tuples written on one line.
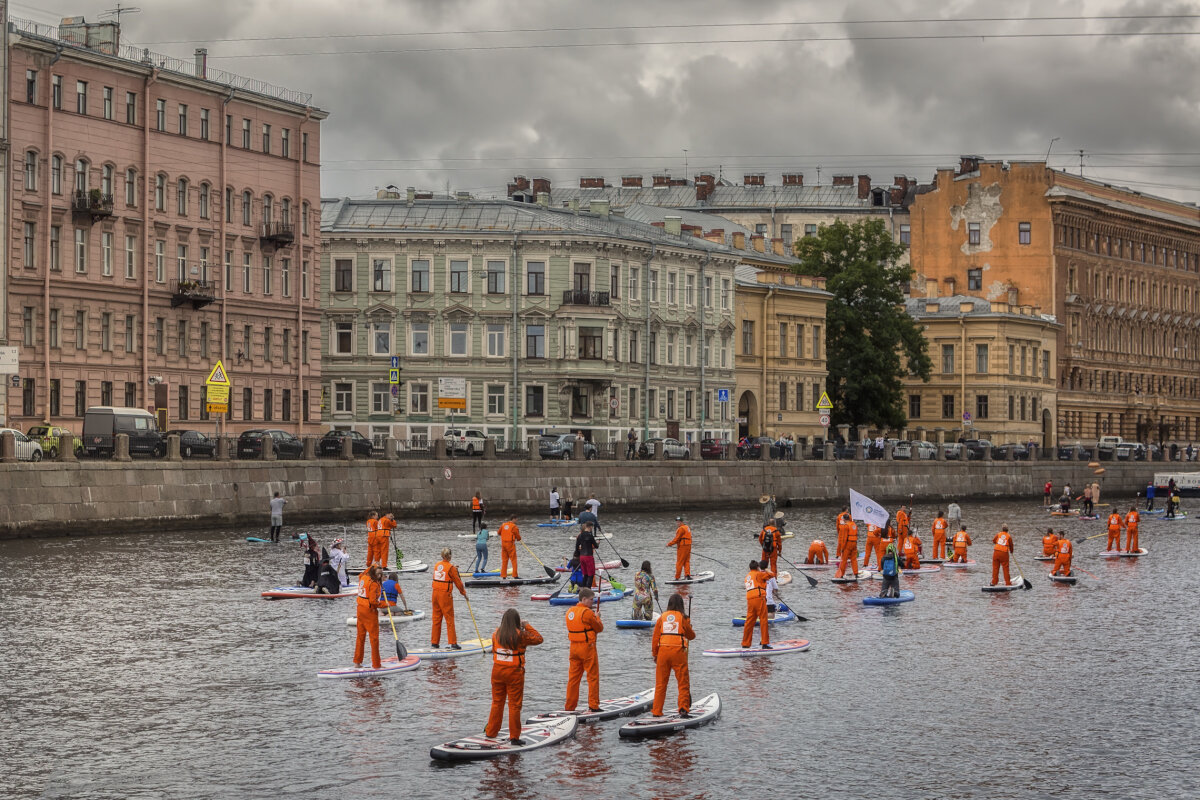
[(93, 497)]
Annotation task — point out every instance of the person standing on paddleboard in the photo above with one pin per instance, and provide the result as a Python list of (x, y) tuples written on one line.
[(953, 516), (847, 543), (1132, 519), (555, 503), (903, 523), (338, 560), (1115, 523), (756, 606), (582, 626), (1047, 491), (669, 648), (509, 642), (645, 593), (476, 512), (481, 548), (585, 551), (277, 504), (383, 539), (874, 546), (939, 535), (372, 538), (1002, 548), (312, 561), (1150, 495), (1087, 502), (962, 540), (445, 581), (370, 600), (770, 539), (510, 534), (889, 568), (683, 549)]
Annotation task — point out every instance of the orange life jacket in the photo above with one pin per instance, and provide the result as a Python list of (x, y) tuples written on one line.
[(476, 504), (580, 626), (1064, 547), (768, 538), (912, 545), (508, 534), (756, 584), (872, 532), (672, 623), (1003, 542), (1114, 520), (962, 539), (1132, 519), (505, 657), (1048, 543), (939, 527), (444, 575), (368, 592)]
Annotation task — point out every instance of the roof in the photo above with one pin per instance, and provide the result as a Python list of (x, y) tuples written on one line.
[(1191, 220), (745, 275), (651, 214), (951, 308), (722, 197)]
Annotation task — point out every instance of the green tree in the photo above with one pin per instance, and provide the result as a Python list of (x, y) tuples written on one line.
[(870, 340)]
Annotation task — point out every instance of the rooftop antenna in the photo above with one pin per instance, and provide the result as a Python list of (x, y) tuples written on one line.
[(685, 174), (116, 13), (818, 184), (1081, 162), (1048, 149)]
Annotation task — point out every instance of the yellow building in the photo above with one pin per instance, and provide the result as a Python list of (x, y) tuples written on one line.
[(993, 373)]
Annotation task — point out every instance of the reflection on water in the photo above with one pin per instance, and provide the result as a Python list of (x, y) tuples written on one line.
[(148, 666)]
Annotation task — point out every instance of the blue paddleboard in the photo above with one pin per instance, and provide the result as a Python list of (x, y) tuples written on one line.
[(602, 597), (257, 540), (905, 597), (493, 574)]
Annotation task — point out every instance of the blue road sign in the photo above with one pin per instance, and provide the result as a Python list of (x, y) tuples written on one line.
[(395, 362), (722, 395)]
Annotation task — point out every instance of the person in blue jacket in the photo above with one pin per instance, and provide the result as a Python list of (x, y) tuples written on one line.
[(481, 548), (889, 568), (1150, 496)]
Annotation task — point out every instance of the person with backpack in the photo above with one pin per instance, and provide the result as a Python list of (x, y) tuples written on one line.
[(771, 540), (889, 568)]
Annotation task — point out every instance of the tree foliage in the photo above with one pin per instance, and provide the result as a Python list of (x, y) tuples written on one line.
[(870, 341)]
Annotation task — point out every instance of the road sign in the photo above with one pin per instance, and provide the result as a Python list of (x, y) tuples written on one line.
[(612, 403), (966, 416), (824, 404), (394, 376), (395, 362), (8, 360), (16, 384), (218, 376), (395, 391), (216, 408), (452, 393), (722, 395), (825, 420)]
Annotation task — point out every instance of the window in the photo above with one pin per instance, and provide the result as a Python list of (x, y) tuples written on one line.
[(202, 200), (303, 347), (285, 276), (689, 350), (760, 228), (343, 275), (535, 277), (106, 393), (56, 92), (27, 326), (1024, 233), (29, 244), (55, 397), (229, 129), (726, 294), (246, 208), (268, 209), (56, 248), (183, 119), (496, 395), (783, 395), (81, 399), (671, 348), (1046, 364), (689, 291), (1012, 405), (652, 403), (906, 235), (130, 330), (785, 233), (981, 359), (81, 175), (635, 351), (672, 280), (535, 341), (287, 345), (160, 115), (304, 218), (130, 394), (974, 280), (181, 338), (268, 342), (810, 230), (535, 401), (106, 180), (80, 330), (131, 187), (204, 340), (495, 341), (652, 348), (381, 338), (381, 398), (458, 338), (747, 337), (343, 338), (420, 338), (591, 343), (799, 341), (204, 124), (106, 254), (581, 277), (56, 166), (304, 147), (160, 192), (245, 134), (914, 406), (495, 277), (31, 162), (418, 398), (708, 292), (266, 273), (31, 86), (81, 248), (981, 406), (614, 281), (635, 286), (54, 327), (81, 97), (304, 279), (248, 405), (783, 339), (947, 406), (1012, 359), (458, 277), (131, 108), (652, 285), (183, 403), (972, 233), (266, 138), (285, 143), (948, 359), (633, 402), (181, 269), (420, 276), (246, 268)]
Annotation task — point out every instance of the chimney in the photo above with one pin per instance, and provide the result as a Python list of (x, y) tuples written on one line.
[(661, 180), (755, 179), (968, 164), (540, 185), (793, 179), (705, 183), (522, 183), (463, 196), (673, 224), (572, 204), (411, 196), (599, 207), (543, 200), (901, 181), (864, 187), (843, 180), (739, 240), (897, 195), (631, 181), (756, 241), (591, 182), (201, 62), (1012, 295), (777, 246)]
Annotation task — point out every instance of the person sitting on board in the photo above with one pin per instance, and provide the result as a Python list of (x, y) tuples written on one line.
[(312, 562), (683, 549), (582, 626), (327, 577), (585, 551), (889, 568), (669, 648), (510, 534), (962, 540), (481, 548), (645, 592), (756, 606), (1132, 519), (818, 553), (445, 581), (370, 600), (1062, 556), (509, 642), (1001, 550), (390, 589), (911, 552), (1115, 523), (772, 587), (1049, 542), (338, 559)]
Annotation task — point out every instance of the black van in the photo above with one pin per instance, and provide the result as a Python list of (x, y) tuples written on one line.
[(101, 424)]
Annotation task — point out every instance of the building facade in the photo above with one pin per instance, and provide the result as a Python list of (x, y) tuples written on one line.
[(1119, 269), (161, 218), (514, 319)]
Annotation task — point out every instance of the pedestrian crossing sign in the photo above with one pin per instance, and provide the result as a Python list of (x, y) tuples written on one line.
[(824, 402), (218, 376)]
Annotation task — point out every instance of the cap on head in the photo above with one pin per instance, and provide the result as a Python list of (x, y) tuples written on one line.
[(679, 519)]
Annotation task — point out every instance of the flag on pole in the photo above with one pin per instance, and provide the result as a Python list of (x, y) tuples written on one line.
[(866, 509)]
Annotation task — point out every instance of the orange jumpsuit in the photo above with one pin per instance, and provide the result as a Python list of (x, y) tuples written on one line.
[(847, 545), (372, 540), (509, 536), (1131, 531), (962, 540), (939, 538), (508, 682), (582, 626), (1003, 547), (669, 647), (756, 607), (902, 523), (910, 553), (1049, 544), (383, 539), (445, 578), (369, 602), (1062, 559), (1114, 532), (683, 550), (818, 553), (771, 540), (874, 545)]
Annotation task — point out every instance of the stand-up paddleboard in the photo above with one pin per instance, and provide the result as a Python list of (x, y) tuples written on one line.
[(788, 535), (492, 573), (1064, 513), (932, 560), (1069, 580), (609, 709), (1121, 553), (776, 649), (484, 583), (397, 614), (815, 567), (1000, 587), (559, 523), (545, 732), (701, 713), (923, 569), (784, 578), (565, 599), (606, 565), (699, 577), (959, 564), (845, 579), (905, 597), (1089, 516), (1043, 558), (257, 540), (470, 647), (412, 565), (1180, 516), (303, 593), (491, 534), (538, 596), (638, 623), (388, 666), (782, 614)]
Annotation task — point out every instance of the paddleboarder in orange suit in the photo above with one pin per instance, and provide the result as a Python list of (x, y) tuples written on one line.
[(508, 673), (370, 600), (962, 540), (910, 553), (1062, 558), (669, 648), (770, 538), (939, 536), (818, 553), (1003, 547), (756, 606), (874, 545), (510, 534), (1131, 530), (582, 626), (372, 540), (902, 523), (1049, 542), (683, 549), (847, 543), (1114, 531), (383, 538), (445, 579)]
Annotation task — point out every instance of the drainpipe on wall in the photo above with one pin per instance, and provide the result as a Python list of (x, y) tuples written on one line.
[(221, 425), (646, 300), (516, 296), (962, 324), (299, 265), (146, 231), (762, 409), (46, 231), (703, 396)]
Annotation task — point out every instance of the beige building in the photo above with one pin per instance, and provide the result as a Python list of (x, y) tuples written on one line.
[(993, 373)]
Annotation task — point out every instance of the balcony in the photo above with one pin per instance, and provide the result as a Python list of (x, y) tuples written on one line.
[(574, 297), (278, 234), (93, 203), (198, 293)]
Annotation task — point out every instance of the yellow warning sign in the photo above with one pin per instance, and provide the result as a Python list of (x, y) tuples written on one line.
[(824, 402), (218, 376)]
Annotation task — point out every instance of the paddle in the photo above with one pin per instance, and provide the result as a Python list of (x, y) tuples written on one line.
[(1096, 536), (707, 558), (1025, 583), (624, 563), (401, 653), (812, 582), (788, 606), (473, 622), (1085, 572), (399, 556), (549, 572)]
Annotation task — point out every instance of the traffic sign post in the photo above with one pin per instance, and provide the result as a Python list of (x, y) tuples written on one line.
[(966, 418), (722, 395), (216, 390), (824, 404)]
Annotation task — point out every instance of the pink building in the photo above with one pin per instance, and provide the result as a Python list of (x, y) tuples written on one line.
[(163, 216)]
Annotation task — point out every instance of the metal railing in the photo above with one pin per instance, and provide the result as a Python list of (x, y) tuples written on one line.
[(93, 202), (279, 232), (573, 297)]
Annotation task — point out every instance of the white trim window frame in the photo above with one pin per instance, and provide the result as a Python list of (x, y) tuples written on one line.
[(380, 334), (419, 339), (458, 340)]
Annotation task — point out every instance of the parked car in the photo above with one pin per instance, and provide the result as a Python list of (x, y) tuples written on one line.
[(51, 437), (976, 447), (562, 445), (1146, 452), (1019, 452), (901, 449), (465, 441), (672, 448), (101, 424), (954, 451), (27, 449), (286, 445), (1072, 452), (194, 443), (331, 443), (713, 448), (923, 451)]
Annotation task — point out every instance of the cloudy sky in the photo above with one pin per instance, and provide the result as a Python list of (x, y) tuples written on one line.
[(464, 94)]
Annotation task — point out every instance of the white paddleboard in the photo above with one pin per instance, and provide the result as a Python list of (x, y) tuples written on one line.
[(1069, 580), (777, 649), (609, 709), (388, 666), (398, 616), (958, 564), (701, 713), (545, 732), (1000, 587), (699, 577), (470, 647)]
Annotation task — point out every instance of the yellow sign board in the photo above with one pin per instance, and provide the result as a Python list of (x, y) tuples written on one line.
[(216, 394), (218, 376), (216, 408), (824, 402), (456, 403)]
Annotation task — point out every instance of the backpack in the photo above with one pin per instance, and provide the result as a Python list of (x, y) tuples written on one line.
[(889, 566)]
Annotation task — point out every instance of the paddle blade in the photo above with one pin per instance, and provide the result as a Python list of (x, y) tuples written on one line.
[(401, 652), (1026, 585), (811, 580), (624, 563), (549, 572)]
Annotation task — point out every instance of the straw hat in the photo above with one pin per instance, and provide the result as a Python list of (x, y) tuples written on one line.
[(764, 499), (778, 515), (1098, 471), (1093, 464)]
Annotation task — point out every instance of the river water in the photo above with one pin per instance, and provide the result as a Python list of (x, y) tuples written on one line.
[(147, 666)]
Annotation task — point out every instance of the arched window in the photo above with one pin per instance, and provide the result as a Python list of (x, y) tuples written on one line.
[(245, 208), (31, 159), (81, 175), (202, 200), (285, 210), (160, 192), (181, 197), (268, 209), (106, 180)]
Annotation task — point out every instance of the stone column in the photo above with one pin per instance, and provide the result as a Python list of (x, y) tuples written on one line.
[(694, 449), (223, 447), (802, 448), (347, 453), (489, 449), (764, 451), (310, 448), (731, 451), (121, 451), (987, 453), (887, 451), (66, 450), (268, 449), (440, 451), (577, 449), (659, 453), (535, 454), (8, 448), (1010, 454), (922, 434), (173, 448), (939, 441), (828, 450)]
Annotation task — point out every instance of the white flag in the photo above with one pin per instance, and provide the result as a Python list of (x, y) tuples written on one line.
[(866, 509)]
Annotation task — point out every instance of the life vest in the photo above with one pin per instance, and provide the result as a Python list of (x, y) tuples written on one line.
[(1064, 547), (888, 567), (476, 504), (872, 532), (1114, 520), (578, 629), (1002, 542), (1132, 519), (767, 538), (962, 538), (504, 656), (368, 591), (443, 573), (755, 585), (912, 545), (508, 534), (672, 625), (939, 527), (1048, 543), (683, 535)]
